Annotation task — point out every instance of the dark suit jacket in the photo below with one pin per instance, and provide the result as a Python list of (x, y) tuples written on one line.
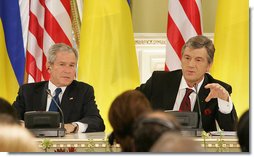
[(78, 103), (162, 88)]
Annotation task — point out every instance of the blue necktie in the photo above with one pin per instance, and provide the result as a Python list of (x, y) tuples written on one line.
[(53, 106)]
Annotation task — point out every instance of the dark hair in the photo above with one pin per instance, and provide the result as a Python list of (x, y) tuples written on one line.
[(201, 41), (123, 111), (8, 113), (243, 131), (149, 127)]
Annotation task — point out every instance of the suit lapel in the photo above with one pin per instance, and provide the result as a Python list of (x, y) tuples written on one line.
[(69, 96), (172, 89), (202, 94), (40, 97)]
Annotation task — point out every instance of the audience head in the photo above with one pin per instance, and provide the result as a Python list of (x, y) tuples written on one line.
[(8, 113), (172, 142), (243, 131), (15, 138), (61, 64), (149, 127), (123, 111)]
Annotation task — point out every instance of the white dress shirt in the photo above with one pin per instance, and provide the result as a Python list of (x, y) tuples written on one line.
[(224, 106), (82, 127)]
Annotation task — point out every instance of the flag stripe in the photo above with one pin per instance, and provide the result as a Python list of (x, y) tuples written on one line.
[(184, 22), (13, 36), (44, 68), (64, 20), (54, 29), (175, 37), (67, 6), (35, 50), (192, 11), (172, 58), (181, 20), (49, 23), (32, 68), (35, 28), (38, 10)]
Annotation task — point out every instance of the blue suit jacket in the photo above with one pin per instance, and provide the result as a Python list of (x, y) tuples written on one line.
[(78, 103)]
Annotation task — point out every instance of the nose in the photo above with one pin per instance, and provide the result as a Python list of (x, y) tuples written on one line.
[(192, 63), (67, 69)]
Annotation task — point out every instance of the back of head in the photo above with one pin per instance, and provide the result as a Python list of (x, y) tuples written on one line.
[(243, 131), (123, 111), (8, 114), (15, 138), (149, 127), (8, 119), (171, 142)]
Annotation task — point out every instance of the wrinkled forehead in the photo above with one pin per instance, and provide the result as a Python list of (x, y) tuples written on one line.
[(66, 57)]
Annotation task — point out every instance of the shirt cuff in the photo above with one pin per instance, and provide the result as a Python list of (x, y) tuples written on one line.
[(225, 106), (81, 127)]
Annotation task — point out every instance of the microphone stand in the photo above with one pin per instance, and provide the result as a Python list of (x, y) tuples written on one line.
[(200, 126), (60, 110)]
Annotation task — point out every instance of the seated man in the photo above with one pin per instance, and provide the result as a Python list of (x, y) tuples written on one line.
[(76, 99), (178, 90)]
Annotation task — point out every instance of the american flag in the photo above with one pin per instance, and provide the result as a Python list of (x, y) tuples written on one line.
[(49, 23), (184, 22)]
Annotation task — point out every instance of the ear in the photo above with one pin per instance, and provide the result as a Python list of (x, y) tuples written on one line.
[(209, 67), (48, 67)]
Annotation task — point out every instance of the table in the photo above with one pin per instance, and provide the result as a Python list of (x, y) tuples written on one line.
[(97, 142)]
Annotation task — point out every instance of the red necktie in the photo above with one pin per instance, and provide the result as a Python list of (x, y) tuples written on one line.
[(186, 104)]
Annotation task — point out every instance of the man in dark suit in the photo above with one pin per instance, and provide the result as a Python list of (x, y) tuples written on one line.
[(76, 99), (167, 90)]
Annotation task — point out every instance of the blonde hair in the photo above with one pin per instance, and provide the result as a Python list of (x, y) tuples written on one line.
[(15, 138)]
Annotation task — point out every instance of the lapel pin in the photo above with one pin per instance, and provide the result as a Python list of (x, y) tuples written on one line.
[(71, 98)]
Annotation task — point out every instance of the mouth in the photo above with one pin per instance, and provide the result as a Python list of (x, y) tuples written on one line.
[(190, 72), (66, 77)]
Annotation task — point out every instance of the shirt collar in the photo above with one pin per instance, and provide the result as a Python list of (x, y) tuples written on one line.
[(184, 85), (52, 88)]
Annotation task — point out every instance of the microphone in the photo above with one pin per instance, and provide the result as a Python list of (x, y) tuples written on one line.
[(200, 126), (59, 108)]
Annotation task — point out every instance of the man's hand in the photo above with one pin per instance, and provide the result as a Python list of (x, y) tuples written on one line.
[(70, 128), (216, 91)]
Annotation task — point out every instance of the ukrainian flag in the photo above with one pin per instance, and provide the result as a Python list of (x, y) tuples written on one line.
[(12, 52), (231, 58), (107, 51)]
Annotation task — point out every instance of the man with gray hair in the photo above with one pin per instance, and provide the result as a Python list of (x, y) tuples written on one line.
[(75, 98), (179, 90)]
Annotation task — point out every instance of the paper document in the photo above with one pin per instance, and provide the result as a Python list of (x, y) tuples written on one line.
[(223, 133)]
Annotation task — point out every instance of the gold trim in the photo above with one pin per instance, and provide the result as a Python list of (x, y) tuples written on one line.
[(76, 22), (150, 42)]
